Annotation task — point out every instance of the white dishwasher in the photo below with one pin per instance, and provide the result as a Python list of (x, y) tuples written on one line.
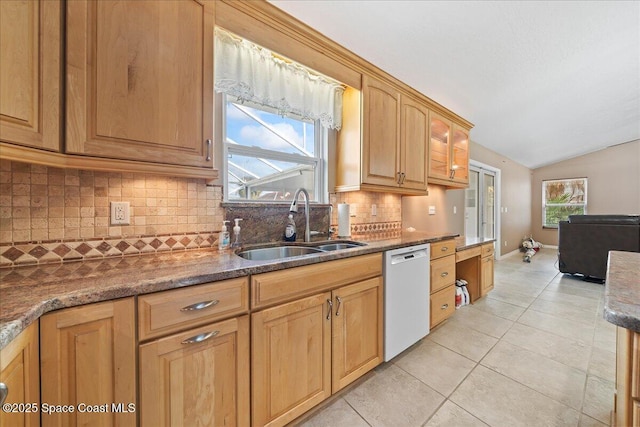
[(406, 298)]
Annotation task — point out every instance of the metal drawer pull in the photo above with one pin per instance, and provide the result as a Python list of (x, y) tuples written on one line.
[(445, 274), (330, 308), (444, 248), (200, 305), (208, 150), (4, 392), (200, 338), (339, 304), (444, 307)]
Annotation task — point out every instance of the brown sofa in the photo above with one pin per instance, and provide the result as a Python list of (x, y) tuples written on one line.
[(584, 242)]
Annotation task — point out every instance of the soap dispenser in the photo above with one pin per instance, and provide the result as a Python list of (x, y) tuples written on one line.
[(290, 230), (224, 239), (236, 233)]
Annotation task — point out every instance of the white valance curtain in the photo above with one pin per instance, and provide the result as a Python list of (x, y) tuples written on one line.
[(252, 73)]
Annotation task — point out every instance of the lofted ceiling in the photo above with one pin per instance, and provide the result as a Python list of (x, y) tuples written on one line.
[(542, 81)]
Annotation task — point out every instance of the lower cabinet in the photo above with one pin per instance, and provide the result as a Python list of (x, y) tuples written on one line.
[(20, 373), (307, 349), (486, 269), (443, 304), (199, 377), (442, 281), (88, 364), (626, 403)]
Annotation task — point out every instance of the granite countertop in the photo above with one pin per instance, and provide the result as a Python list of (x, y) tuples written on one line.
[(26, 293), (622, 290), (464, 242)]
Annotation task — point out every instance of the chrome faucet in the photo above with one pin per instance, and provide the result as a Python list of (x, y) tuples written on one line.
[(294, 208)]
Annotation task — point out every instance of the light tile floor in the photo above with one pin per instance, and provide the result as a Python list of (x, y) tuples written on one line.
[(534, 352)]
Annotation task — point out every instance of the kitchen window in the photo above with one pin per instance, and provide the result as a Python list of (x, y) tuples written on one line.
[(561, 198), (269, 156), (277, 118)]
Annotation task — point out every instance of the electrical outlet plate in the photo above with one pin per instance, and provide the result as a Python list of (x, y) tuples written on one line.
[(432, 210), (120, 214)]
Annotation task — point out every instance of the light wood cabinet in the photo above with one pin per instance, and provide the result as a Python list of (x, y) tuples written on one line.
[(388, 149), (20, 373), (88, 357), (140, 80), (197, 377), (448, 153), (357, 325), (626, 407), (308, 348), (486, 269), (442, 281), (30, 55)]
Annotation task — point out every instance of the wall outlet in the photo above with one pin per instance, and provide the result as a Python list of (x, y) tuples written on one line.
[(353, 210), (120, 213), (455, 210), (505, 243), (374, 210)]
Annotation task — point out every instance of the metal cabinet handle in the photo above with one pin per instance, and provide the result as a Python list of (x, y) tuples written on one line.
[(4, 392), (398, 179), (330, 308), (208, 142), (402, 176), (339, 304), (444, 274), (444, 306), (200, 338), (444, 248), (200, 305)]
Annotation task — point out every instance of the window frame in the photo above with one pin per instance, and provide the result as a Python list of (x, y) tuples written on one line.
[(545, 205), (319, 161)]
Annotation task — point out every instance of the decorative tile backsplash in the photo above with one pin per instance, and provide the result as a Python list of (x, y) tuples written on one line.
[(57, 215)]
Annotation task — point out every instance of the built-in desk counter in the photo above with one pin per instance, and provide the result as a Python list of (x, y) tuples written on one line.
[(474, 263)]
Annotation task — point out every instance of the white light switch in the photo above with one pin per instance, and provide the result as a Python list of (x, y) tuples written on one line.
[(120, 213), (432, 210)]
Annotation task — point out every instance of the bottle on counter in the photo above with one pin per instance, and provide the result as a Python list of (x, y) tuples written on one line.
[(224, 239), (236, 233), (290, 230)]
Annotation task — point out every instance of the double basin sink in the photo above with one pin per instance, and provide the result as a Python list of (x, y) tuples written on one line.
[(289, 250)]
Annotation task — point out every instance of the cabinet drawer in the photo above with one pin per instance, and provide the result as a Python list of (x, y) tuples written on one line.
[(443, 248), (285, 285), (443, 273), (487, 249), (443, 304), (169, 311), (468, 253), (635, 367)]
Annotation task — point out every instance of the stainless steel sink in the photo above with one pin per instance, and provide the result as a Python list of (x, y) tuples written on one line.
[(338, 246), (277, 252)]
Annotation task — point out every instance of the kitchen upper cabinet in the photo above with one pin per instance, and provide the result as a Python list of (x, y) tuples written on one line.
[(139, 80), (88, 356), (449, 153), (20, 373), (383, 145), (30, 73)]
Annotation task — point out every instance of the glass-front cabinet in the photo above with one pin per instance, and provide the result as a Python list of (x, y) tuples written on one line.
[(439, 148), (449, 153), (459, 171)]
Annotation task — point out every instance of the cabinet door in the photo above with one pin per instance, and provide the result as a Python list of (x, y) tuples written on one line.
[(291, 359), (460, 155), (140, 80), (486, 275), (88, 357), (414, 145), (381, 133), (357, 331), (20, 373), (188, 379), (30, 73), (439, 147)]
